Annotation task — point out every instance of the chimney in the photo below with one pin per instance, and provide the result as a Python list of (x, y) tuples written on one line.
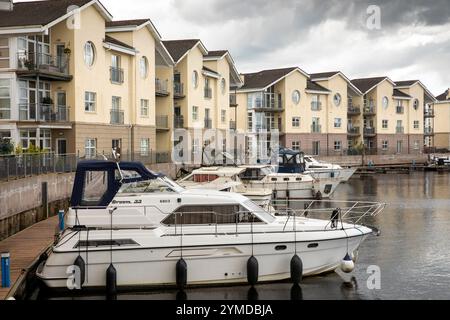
[(6, 5)]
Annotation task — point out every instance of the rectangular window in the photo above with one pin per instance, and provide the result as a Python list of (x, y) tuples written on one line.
[(45, 139), (337, 122), (250, 121), (384, 124), (144, 108), (416, 124), (194, 113), (5, 135), (337, 145), (145, 146), (296, 122), (90, 99), (4, 53), (5, 98), (416, 144), (116, 72), (296, 145), (28, 138), (195, 145), (90, 148), (316, 148), (384, 145), (223, 116)]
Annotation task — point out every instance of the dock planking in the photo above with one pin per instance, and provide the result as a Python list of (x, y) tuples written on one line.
[(26, 246)]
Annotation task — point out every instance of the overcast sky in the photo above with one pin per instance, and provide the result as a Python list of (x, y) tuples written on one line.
[(412, 43)]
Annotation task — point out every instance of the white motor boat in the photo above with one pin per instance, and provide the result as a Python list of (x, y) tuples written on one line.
[(151, 232), (225, 178), (325, 170)]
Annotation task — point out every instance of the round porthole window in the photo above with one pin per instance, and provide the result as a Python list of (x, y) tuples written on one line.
[(296, 96), (89, 53), (416, 104), (223, 85), (143, 67), (337, 99), (195, 79)]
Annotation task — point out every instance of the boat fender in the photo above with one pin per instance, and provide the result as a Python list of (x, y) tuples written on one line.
[(252, 294), (296, 292), (181, 273), (181, 295), (111, 281), (347, 264), (79, 262), (319, 195), (252, 270), (296, 269)]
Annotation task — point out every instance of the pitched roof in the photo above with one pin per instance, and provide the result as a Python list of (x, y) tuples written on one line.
[(37, 13), (311, 85), (216, 53), (124, 23), (264, 78), (177, 48), (112, 40), (443, 96), (405, 83), (365, 84), (211, 71), (398, 93), (322, 75)]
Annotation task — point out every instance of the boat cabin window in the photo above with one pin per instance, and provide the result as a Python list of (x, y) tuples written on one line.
[(201, 177), (210, 215), (255, 173), (308, 159), (149, 186), (95, 187)]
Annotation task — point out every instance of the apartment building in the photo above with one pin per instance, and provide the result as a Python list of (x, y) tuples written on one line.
[(393, 115), (201, 94), (441, 129), (74, 81)]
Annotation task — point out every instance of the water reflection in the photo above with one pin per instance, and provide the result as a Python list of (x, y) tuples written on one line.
[(412, 251)]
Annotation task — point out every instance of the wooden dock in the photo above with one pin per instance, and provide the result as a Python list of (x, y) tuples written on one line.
[(25, 247)]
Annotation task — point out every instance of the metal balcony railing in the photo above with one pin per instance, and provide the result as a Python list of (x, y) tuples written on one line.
[(429, 113), (232, 125), (178, 89), (267, 102), (117, 116), (161, 86), (207, 93), (316, 128), (428, 131), (178, 122), (35, 61), (316, 105), (208, 123), (400, 129), (116, 75), (353, 110), (353, 130), (43, 112), (162, 122), (369, 109), (369, 131)]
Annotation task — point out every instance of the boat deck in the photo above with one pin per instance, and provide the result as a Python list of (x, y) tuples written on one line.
[(25, 247)]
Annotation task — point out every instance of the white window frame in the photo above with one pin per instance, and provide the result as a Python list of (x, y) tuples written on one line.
[(416, 124), (143, 67), (223, 116), (383, 122), (90, 101), (296, 122), (6, 97), (89, 56), (337, 145), (28, 138), (7, 58), (384, 145), (145, 146), (194, 113), (295, 145), (144, 108), (338, 122), (90, 147), (45, 138)]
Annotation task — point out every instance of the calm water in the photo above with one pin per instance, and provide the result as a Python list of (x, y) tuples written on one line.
[(413, 250)]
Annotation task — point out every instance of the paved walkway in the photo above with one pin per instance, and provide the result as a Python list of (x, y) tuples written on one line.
[(26, 246)]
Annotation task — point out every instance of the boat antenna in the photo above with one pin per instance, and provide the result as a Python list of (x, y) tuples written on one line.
[(116, 156)]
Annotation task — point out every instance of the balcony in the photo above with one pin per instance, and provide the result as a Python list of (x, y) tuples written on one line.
[(44, 113), (178, 122), (232, 125), (353, 131), (429, 113), (207, 93), (316, 128), (369, 110), (178, 90), (233, 100), (267, 102), (208, 123), (369, 132), (162, 122), (428, 131), (353, 111), (316, 105), (400, 110), (400, 130), (161, 88), (117, 116), (48, 67), (116, 75)]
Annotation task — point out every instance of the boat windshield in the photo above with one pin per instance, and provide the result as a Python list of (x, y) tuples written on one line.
[(258, 211), (158, 185)]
